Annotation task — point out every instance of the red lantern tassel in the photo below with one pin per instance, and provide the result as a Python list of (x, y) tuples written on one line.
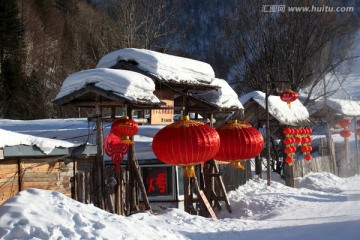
[(238, 165), (189, 171)]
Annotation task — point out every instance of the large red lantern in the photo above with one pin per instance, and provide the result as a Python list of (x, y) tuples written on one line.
[(186, 143), (288, 96), (124, 128), (238, 141)]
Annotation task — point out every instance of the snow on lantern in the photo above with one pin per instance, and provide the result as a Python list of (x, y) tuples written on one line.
[(186, 143), (288, 96), (117, 142), (239, 141)]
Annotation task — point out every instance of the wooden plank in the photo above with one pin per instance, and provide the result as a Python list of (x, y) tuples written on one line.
[(50, 176), (6, 175), (7, 166), (40, 185)]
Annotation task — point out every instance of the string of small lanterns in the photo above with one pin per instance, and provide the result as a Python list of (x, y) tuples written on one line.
[(299, 137), (358, 129)]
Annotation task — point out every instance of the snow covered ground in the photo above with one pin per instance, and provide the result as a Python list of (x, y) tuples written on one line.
[(322, 206)]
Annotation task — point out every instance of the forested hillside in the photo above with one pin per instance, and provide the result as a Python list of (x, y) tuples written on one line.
[(43, 41)]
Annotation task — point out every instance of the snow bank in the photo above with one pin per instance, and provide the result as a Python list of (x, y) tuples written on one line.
[(165, 67), (319, 181)]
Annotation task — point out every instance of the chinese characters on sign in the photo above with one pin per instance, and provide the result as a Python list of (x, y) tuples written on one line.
[(157, 180), (165, 115)]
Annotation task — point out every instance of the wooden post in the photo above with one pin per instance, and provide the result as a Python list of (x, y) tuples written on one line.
[(99, 162)]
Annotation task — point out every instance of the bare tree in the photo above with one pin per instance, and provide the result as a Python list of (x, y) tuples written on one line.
[(299, 47)]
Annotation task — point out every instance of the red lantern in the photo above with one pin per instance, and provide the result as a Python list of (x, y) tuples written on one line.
[(344, 123), (287, 141), (289, 160), (358, 131), (124, 128), (358, 123), (186, 143), (308, 157), (115, 148), (345, 134), (287, 131), (238, 141), (288, 96)]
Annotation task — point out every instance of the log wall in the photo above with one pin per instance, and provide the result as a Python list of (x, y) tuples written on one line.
[(57, 174)]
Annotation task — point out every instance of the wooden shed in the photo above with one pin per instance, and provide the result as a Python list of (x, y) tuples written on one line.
[(25, 166)]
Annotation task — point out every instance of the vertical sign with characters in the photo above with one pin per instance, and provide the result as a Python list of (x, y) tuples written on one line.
[(165, 114)]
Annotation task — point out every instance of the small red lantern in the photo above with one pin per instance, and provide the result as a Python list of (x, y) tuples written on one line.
[(238, 141), (358, 123), (344, 123), (186, 143), (308, 157), (288, 131), (288, 96), (124, 128), (289, 160), (345, 134)]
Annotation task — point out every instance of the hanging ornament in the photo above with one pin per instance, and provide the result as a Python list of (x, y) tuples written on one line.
[(239, 141), (358, 123), (289, 142), (186, 143), (345, 133), (116, 149), (306, 142), (288, 96)]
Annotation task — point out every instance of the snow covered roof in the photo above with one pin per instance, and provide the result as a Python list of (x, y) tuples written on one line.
[(47, 134), (112, 84), (165, 67), (344, 107), (46, 145), (279, 109), (224, 97)]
